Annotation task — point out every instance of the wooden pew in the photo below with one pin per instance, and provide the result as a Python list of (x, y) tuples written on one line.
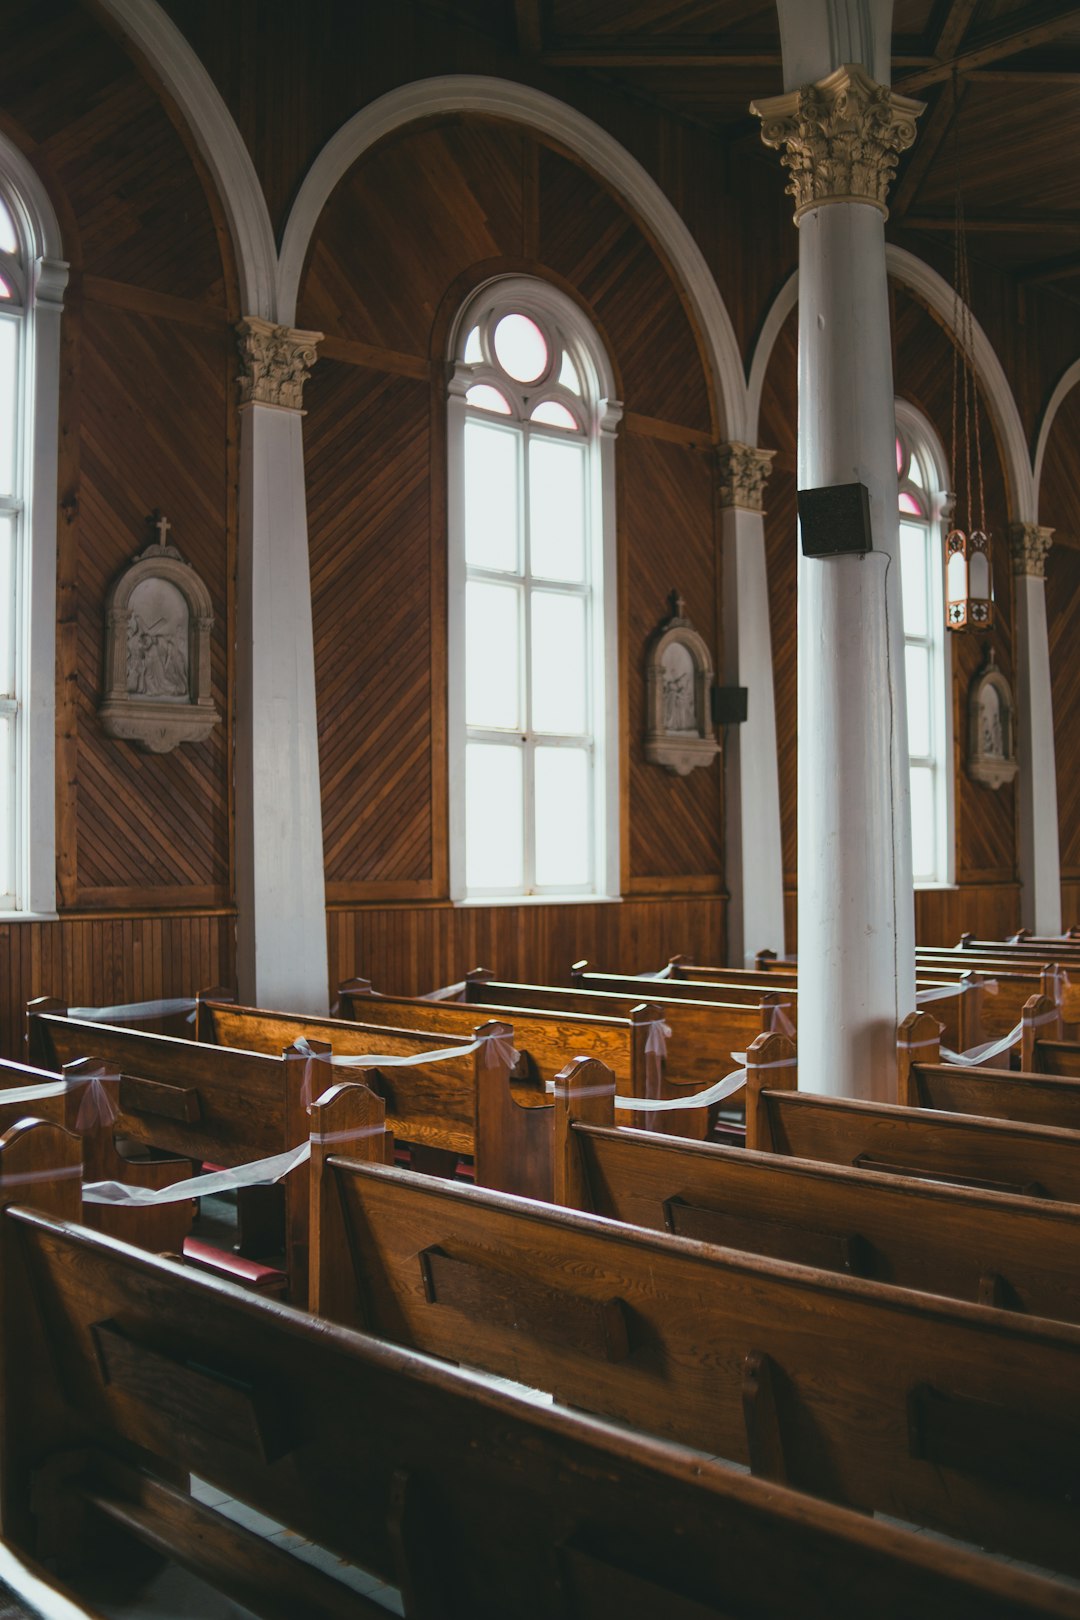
[(944, 1414), (547, 1039), (704, 1033), (435, 1106), (995, 1155), (1016, 1253), (1051, 1097), (428, 1477), (198, 1102)]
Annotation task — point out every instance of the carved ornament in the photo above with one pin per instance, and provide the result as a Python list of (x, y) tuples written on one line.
[(157, 652), (841, 137), (1030, 548), (277, 363), (679, 677), (743, 471)]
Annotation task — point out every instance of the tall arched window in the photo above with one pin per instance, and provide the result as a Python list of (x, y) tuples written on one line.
[(532, 599), (923, 498), (32, 280)]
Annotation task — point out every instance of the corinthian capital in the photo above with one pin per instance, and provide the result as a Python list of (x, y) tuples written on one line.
[(841, 137), (277, 362), (743, 471), (1030, 548)]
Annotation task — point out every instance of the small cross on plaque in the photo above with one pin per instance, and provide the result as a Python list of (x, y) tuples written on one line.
[(162, 525)]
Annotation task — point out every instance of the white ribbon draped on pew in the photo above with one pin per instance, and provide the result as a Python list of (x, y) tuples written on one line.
[(499, 1053), (132, 1012), (945, 992), (988, 1049), (719, 1092)]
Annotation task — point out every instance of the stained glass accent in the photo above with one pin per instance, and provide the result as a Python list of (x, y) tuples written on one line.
[(520, 348), (552, 414), (899, 456), (473, 351), (568, 375), (908, 503), (486, 398), (5, 289)]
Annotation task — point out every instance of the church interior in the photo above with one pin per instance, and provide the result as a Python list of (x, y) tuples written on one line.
[(539, 567)]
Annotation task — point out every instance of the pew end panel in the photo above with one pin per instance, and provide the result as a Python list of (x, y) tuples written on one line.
[(585, 1094), (1041, 1020), (771, 1065), (204, 1012), (38, 1051), (918, 1040), (514, 1113), (348, 1120)]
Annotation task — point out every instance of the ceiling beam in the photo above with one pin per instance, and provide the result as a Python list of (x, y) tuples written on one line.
[(995, 50), (1026, 75), (1052, 270), (529, 31), (954, 28), (929, 140), (658, 51), (996, 225)]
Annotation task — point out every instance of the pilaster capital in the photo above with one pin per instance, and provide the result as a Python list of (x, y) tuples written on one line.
[(743, 471), (841, 137), (1030, 544), (277, 362)]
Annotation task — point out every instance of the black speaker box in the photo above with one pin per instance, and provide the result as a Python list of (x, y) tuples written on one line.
[(835, 521)]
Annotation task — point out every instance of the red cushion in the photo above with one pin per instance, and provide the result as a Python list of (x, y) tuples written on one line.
[(249, 1273)]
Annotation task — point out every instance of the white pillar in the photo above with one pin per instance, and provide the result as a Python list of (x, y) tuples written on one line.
[(281, 897), (1040, 868), (753, 856), (856, 899)]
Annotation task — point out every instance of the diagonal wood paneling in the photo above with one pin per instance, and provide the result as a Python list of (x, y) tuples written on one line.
[(368, 514), (779, 421), (666, 494), (1059, 506), (149, 820)]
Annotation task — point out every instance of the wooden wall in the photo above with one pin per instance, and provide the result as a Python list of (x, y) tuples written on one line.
[(146, 422), (383, 282)]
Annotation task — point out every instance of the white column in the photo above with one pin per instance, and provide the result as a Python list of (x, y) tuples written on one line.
[(841, 138), (1040, 867), (753, 858), (281, 897)]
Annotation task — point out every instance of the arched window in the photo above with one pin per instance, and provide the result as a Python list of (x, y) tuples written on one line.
[(923, 499), (532, 602), (32, 280)]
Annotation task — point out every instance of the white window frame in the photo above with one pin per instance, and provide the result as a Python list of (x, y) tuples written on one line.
[(30, 811), (553, 309), (920, 435)]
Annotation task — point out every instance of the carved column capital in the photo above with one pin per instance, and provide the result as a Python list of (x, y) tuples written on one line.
[(277, 362), (841, 137), (1030, 548), (743, 471)]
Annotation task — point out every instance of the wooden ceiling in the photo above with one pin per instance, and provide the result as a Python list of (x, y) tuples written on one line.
[(1000, 79)]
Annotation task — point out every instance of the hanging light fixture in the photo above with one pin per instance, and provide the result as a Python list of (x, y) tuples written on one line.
[(969, 579)]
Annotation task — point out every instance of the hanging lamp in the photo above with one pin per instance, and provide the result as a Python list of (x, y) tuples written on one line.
[(969, 579)]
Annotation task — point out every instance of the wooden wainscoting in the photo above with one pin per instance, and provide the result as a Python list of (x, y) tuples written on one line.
[(410, 949), (990, 910), (100, 961)]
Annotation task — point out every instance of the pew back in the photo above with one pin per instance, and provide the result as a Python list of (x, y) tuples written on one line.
[(976, 1413)]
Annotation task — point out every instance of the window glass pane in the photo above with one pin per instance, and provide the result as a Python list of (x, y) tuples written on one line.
[(491, 495), (7, 606), (520, 348), (493, 803), (5, 290), (563, 817), (923, 831), (558, 663), (9, 365), (915, 473), (908, 503), (553, 414), (7, 808), (492, 661), (568, 375), (918, 700), (899, 456), (9, 241), (557, 509), (473, 352), (486, 398), (913, 544)]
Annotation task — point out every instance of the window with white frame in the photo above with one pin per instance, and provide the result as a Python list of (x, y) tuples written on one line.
[(923, 498), (532, 600), (32, 280)]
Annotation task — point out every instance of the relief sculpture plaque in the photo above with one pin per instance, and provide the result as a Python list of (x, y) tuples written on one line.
[(679, 673), (157, 651)]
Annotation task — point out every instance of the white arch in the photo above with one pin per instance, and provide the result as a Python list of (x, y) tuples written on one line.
[(34, 201), (1065, 386), (219, 141), (935, 292), (499, 98)]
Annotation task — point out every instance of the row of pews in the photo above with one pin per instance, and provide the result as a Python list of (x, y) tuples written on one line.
[(860, 1309)]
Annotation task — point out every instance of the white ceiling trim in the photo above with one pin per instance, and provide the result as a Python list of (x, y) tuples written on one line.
[(1065, 386)]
